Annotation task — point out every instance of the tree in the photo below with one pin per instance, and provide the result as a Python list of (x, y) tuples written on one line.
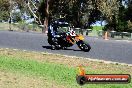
[(77, 12), (4, 8), (110, 10), (125, 16), (129, 15)]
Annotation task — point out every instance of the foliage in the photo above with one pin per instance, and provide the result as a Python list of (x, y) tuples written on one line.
[(4, 8), (80, 13), (4, 15), (120, 22)]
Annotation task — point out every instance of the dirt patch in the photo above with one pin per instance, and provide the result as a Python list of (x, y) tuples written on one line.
[(17, 80)]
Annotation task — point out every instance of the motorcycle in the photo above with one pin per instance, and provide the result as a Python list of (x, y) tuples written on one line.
[(79, 40), (61, 36)]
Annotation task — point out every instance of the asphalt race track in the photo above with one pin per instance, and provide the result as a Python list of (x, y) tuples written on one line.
[(109, 50)]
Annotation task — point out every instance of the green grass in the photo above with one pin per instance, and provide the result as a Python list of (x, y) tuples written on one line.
[(60, 73), (19, 26), (5, 26), (97, 28)]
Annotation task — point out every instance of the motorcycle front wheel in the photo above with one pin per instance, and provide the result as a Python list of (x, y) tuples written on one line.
[(84, 46)]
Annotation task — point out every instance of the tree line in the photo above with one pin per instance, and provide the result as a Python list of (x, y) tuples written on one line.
[(80, 13)]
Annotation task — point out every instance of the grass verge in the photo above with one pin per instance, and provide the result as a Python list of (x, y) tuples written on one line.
[(97, 28), (19, 27), (58, 68)]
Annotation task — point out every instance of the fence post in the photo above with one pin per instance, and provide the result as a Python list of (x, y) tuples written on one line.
[(131, 35), (123, 34), (82, 31), (88, 31), (113, 34), (77, 30)]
